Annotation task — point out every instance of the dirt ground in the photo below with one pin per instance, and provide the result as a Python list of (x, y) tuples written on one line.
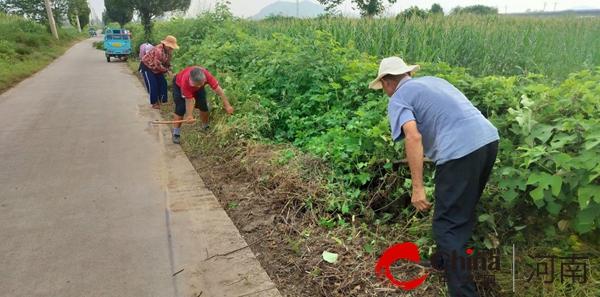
[(287, 239)]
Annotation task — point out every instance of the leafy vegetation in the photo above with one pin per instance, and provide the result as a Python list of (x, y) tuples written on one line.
[(117, 11), (99, 45), (487, 45), (78, 10), (304, 83), (368, 8), (148, 9), (313, 91), (26, 47), (35, 9), (414, 11), (122, 11), (475, 9), (411, 12), (322, 106), (62, 10)]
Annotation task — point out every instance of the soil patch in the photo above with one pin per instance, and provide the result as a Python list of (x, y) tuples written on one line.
[(287, 240)]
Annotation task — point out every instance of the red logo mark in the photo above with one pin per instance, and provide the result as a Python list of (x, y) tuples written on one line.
[(402, 251)]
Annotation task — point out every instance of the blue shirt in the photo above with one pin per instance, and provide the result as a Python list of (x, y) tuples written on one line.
[(450, 126)]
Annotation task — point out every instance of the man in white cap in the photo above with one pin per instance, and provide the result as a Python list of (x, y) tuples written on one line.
[(437, 121)]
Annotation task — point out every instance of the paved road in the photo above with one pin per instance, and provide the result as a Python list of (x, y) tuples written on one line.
[(94, 202)]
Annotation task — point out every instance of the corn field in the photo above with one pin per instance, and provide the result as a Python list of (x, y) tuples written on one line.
[(488, 45)]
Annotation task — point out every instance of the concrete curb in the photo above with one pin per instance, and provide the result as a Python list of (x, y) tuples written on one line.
[(200, 229)]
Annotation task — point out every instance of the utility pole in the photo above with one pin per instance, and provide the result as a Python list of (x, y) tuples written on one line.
[(505, 9), (51, 19), (555, 6), (544, 7), (297, 9)]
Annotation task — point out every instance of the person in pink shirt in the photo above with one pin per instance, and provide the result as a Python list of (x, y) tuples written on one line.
[(189, 93), (144, 48)]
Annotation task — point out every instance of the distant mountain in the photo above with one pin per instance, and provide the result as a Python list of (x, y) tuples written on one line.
[(582, 8), (307, 9)]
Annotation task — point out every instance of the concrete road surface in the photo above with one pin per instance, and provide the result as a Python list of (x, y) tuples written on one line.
[(94, 202)]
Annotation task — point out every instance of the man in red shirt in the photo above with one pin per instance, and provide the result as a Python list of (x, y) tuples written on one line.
[(189, 93)]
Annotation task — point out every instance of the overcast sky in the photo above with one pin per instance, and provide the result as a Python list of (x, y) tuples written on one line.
[(248, 8)]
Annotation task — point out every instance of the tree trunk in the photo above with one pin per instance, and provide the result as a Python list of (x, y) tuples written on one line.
[(51, 22), (147, 23), (78, 23)]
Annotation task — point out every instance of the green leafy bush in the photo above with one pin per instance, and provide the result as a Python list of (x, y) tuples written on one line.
[(310, 90)]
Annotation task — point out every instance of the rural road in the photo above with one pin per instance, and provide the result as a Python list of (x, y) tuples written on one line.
[(95, 202)]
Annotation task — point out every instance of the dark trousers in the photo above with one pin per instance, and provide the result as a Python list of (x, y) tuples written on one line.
[(458, 187), (156, 84), (199, 95)]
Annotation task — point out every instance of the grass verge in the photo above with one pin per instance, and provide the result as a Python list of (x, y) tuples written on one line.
[(27, 47)]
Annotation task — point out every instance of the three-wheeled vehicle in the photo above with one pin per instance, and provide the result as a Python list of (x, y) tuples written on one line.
[(117, 44)]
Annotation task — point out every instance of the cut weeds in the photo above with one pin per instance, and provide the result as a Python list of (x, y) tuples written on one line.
[(278, 206)]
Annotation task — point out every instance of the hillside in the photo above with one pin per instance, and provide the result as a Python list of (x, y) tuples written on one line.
[(307, 9), (582, 8)]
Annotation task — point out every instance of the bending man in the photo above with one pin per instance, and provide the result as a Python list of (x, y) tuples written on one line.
[(189, 93), (438, 121)]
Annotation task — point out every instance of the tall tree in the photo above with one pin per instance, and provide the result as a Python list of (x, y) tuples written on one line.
[(35, 9), (120, 11), (412, 12), (79, 10), (475, 9), (105, 19), (436, 9), (150, 9), (367, 8)]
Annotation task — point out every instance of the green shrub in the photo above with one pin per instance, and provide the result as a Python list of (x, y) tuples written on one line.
[(307, 88)]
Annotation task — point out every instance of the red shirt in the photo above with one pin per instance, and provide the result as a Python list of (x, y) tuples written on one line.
[(183, 81)]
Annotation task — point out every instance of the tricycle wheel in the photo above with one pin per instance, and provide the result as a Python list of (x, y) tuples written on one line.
[(125, 59), (108, 59)]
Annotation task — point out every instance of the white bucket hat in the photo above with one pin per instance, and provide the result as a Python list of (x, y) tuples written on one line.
[(394, 66)]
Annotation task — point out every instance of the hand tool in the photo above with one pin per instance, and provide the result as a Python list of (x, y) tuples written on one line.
[(169, 122)]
